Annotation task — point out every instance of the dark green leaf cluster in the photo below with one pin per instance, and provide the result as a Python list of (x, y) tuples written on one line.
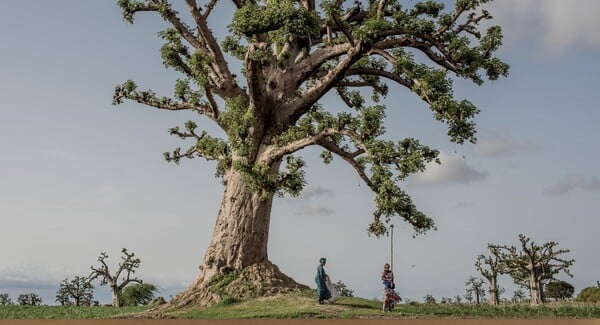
[(129, 7), (589, 294), (186, 94), (232, 44), (282, 16), (237, 120), (392, 200), (137, 294), (129, 90), (434, 86), (559, 290), (267, 183), (173, 51)]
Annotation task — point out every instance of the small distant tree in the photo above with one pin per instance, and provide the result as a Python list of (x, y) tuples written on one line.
[(138, 294), (80, 289), (518, 296), (489, 267), (29, 299), (5, 299), (559, 290), (126, 268), (446, 300), (458, 299), (475, 289), (343, 290), (534, 264), (469, 296), (429, 299), (62, 296), (589, 294)]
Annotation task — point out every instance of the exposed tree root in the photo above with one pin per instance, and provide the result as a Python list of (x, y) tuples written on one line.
[(263, 279)]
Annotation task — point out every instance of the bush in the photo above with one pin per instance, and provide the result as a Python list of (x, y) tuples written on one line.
[(138, 294), (5, 299), (589, 294), (560, 290)]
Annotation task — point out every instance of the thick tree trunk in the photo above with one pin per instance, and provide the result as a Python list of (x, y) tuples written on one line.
[(115, 296), (534, 289), (236, 261), (494, 292)]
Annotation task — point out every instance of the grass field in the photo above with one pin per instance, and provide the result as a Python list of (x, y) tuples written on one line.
[(303, 305)]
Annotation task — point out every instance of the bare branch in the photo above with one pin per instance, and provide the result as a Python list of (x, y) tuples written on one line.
[(350, 158)]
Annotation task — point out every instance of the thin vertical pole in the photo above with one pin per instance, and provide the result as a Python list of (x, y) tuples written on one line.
[(392, 249)]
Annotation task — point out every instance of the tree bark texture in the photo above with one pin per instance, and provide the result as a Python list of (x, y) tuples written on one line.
[(115, 295), (494, 291), (238, 250), (535, 290)]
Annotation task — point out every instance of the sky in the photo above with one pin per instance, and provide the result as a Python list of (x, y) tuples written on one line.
[(79, 176)]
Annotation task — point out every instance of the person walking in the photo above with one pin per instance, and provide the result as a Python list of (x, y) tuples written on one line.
[(321, 280)]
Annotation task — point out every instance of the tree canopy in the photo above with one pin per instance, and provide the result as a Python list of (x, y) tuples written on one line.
[(292, 54)]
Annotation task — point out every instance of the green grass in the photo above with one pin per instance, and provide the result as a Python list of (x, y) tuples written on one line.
[(304, 305), (67, 312)]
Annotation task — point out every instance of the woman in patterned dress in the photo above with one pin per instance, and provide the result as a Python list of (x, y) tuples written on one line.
[(390, 297)]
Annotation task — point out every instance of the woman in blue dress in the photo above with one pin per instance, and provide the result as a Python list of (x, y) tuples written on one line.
[(321, 279)]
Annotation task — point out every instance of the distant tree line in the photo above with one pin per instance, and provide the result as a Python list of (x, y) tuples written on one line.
[(532, 267), (126, 289)]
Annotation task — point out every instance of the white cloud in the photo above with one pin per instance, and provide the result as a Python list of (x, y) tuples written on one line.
[(555, 24), (31, 276), (453, 170), (314, 192), (572, 182), (301, 204), (502, 147), (311, 210)]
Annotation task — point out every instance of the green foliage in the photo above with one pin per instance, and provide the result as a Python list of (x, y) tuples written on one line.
[(560, 290), (280, 16), (429, 299), (173, 51), (5, 299), (237, 120), (220, 281), (303, 305), (29, 299), (79, 289), (137, 294), (67, 312), (421, 47), (343, 290), (589, 294)]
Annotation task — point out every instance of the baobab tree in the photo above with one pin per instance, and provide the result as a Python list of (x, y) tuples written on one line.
[(534, 265), (80, 289), (490, 267), (122, 276), (475, 289), (292, 54)]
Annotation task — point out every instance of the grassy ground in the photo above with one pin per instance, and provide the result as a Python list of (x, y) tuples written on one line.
[(68, 312), (303, 305)]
